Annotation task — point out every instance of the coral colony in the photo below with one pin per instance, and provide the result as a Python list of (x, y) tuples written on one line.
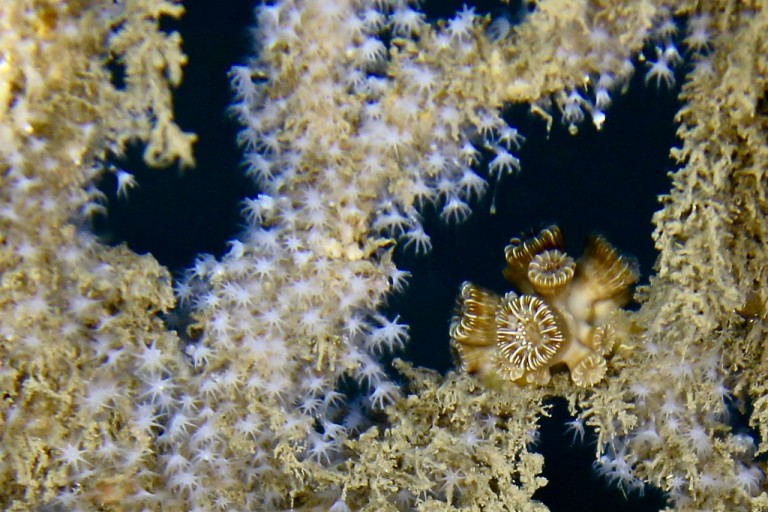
[(355, 115), (562, 318)]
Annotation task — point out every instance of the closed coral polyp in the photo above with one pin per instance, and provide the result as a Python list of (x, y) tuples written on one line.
[(473, 329)]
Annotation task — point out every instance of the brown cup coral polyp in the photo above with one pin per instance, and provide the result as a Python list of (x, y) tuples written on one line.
[(561, 318)]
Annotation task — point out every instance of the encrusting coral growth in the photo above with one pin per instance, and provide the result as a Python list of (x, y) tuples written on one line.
[(355, 114)]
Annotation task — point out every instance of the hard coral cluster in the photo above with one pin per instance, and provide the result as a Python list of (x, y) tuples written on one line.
[(561, 316)]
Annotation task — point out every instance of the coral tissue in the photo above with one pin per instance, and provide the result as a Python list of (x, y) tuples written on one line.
[(560, 317)]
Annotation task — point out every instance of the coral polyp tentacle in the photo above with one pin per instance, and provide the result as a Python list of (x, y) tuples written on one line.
[(610, 273), (475, 323), (521, 251), (528, 332), (550, 271)]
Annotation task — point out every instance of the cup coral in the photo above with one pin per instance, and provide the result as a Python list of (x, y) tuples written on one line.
[(563, 316)]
